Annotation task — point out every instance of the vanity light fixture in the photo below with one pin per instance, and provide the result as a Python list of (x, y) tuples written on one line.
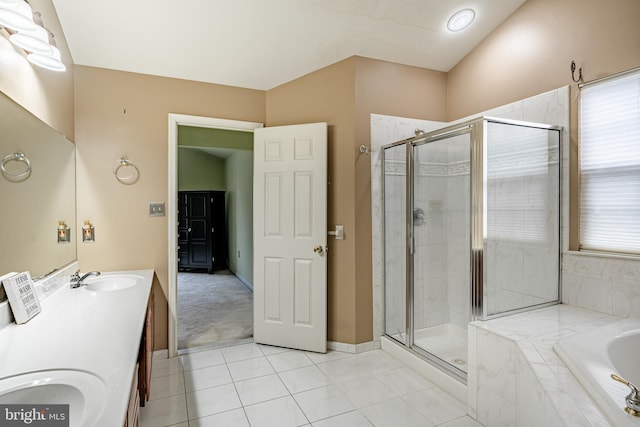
[(35, 41), (27, 32), (16, 15), (461, 20), (51, 62)]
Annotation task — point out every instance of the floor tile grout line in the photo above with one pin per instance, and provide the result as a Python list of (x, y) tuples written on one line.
[(286, 388)]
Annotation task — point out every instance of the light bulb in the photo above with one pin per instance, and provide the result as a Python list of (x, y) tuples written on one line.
[(461, 20), (36, 41), (51, 62), (16, 17)]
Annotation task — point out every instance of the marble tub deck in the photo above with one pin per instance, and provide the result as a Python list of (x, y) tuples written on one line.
[(516, 378)]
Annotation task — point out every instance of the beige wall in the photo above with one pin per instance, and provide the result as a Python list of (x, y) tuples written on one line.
[(344, 95), (327, 95), (395, 90), (531, 53), (118, 114), (46, 94)]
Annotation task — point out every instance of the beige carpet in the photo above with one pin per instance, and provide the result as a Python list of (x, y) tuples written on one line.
[(212, 309)]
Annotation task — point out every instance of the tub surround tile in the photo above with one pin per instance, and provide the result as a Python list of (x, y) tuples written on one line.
[(607, 284), (494, 410), (539, 389)]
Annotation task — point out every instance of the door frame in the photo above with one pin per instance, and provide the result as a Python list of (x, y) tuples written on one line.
[(176, 120)]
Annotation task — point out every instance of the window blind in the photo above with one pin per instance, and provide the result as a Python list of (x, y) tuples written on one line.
[(609, 153)]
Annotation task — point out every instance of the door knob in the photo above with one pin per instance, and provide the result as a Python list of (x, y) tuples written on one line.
[(318, 249)]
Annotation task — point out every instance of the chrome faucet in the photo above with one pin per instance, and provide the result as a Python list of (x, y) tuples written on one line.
[(633, 399), (77, 280)]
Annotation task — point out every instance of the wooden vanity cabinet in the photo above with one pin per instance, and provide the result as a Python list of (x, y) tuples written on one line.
[(146, 354), (133, 409), (140, 389)]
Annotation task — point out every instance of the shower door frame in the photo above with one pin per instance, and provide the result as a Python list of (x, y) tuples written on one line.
[(477, 130)]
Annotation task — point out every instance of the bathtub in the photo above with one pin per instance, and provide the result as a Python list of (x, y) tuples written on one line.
[(593, 356)]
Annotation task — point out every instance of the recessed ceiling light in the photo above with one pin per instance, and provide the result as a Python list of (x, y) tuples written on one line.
[(461, 20)]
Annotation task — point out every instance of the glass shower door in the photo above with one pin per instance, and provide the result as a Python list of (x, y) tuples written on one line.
[(441, 251), (395, 241)]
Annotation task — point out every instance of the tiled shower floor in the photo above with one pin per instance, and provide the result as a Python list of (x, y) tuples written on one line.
[(448, 342), (256, 385)]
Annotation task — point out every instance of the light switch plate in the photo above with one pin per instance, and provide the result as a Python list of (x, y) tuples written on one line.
[(156, 208)]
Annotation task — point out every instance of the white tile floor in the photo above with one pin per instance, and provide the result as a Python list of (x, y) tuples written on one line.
[(256, 385)]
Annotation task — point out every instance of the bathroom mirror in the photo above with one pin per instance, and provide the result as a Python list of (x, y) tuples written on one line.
[(38, 192)]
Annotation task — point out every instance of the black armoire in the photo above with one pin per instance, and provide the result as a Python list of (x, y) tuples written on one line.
[(202, 241)]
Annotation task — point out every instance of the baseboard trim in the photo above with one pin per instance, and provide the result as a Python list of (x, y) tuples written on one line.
[(353, 348), (161, 354), (244, 281)]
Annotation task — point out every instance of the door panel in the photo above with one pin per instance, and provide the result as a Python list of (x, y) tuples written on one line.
[(290, 236)]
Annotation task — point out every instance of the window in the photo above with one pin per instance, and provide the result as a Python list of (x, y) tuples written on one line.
[(610, 164)]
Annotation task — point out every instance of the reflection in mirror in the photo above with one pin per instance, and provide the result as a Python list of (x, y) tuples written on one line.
[(37, 185)]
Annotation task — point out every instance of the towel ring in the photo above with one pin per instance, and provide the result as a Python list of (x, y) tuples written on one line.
[(132, 178), (16, 157)]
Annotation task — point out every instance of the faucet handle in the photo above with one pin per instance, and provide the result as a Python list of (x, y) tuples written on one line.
[(633, 399), (625, 382), (76, 275)]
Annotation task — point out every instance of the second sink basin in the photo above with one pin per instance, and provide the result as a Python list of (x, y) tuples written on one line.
[(84, 392), (112, 282)]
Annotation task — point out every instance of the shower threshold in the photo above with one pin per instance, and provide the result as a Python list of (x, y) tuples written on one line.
[(448, 342)]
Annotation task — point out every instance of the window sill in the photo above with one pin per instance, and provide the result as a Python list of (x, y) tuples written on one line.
[(607, 255)]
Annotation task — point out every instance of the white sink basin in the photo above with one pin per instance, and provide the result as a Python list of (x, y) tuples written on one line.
[(112, 282), (84, 392)]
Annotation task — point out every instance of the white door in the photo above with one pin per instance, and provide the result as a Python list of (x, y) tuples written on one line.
[(290, 236)]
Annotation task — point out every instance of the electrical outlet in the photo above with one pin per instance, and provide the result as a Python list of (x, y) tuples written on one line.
[(238, 254), (156, 208)]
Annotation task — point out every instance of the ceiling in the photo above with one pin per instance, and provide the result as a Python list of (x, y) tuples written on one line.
[(261, 44)]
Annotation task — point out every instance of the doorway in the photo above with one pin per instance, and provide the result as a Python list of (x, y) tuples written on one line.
[(237, 278)]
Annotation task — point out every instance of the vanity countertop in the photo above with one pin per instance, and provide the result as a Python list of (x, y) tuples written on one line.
[(79, 329)]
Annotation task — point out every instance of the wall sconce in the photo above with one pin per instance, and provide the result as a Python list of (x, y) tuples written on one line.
[(27, 32), (64, 232), (88, 232)]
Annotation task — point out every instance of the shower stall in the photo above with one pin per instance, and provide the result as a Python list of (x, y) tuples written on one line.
[(471, 232)]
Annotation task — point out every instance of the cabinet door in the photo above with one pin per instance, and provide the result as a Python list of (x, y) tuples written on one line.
[(183, 231), (219, 224), (199, 229)]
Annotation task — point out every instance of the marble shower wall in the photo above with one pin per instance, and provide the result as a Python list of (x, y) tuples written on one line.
[(550, 107)]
